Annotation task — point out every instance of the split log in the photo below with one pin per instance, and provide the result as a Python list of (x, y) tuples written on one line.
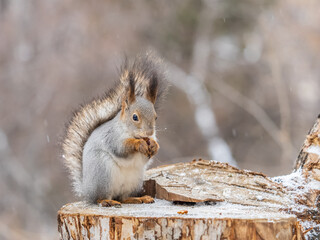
[(210, 181), (223, 202)]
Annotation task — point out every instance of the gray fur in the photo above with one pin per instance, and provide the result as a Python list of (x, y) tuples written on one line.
[(109, 171)]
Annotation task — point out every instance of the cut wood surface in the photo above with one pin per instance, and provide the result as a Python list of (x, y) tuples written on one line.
[(223, 202), (203, 181)]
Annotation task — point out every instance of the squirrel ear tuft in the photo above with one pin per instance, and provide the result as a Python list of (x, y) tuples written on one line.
[(153, 88), (131, 91), (129, 97)]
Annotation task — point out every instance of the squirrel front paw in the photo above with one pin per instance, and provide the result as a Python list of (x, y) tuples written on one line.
[(146, 146), (153, 147), (142, 147)]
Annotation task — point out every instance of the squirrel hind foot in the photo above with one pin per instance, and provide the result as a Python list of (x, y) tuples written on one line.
[(109, 203), (138, 200)]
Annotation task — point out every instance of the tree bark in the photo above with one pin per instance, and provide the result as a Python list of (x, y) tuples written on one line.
[(308, 159), (211, 200)]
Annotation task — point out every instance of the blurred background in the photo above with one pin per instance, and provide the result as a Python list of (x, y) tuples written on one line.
[(245, 79)]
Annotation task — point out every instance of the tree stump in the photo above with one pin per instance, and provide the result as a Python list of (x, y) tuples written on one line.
[(162, 220), (211, 200)]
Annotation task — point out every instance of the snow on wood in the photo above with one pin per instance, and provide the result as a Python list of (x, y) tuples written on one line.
[(308, 159)]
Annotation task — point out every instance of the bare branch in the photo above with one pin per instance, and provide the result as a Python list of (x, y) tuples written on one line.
[(198, 95), (284, 108), (252, 108)]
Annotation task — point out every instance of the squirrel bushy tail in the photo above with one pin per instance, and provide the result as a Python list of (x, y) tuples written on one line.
[(148, 75)]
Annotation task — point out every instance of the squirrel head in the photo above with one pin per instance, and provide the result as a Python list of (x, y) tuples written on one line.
[(138, 112)]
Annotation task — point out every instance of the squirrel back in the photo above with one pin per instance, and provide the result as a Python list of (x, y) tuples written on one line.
[(148, 76)]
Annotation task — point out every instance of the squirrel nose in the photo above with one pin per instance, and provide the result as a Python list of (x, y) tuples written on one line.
[(149, 132)]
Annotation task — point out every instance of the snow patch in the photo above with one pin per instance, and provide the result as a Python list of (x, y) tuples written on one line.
[(314, 149), (259, 198), (297, 184), (163, 208)]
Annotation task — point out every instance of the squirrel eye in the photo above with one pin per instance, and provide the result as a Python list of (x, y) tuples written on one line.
[(135, 117)]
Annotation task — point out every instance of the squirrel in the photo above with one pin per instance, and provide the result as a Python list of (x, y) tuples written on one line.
[(110, 140)]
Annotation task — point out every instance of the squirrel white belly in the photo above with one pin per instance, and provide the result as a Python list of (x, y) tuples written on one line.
[(110, 140)]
